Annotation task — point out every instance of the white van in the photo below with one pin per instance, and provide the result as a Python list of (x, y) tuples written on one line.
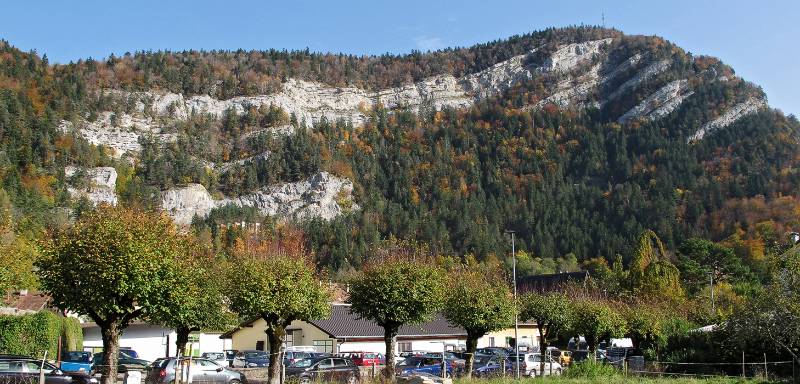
[(531, 364)]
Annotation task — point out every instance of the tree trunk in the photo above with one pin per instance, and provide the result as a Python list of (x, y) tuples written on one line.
[(472, 345), (275, 336), (110, 335), (542, 348), (390, 338), (181, 339), (591, 342)]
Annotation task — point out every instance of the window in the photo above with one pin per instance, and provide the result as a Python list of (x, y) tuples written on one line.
[(260, 345), (289, 340), (510, 341), (340, 363), (325, 364), (323, 346), (405, 346), (491, 341)]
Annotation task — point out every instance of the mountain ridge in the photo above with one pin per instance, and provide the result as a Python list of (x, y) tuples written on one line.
[(552, 133)]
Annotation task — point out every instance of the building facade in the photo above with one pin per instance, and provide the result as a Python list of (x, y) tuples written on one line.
[(343, 331)]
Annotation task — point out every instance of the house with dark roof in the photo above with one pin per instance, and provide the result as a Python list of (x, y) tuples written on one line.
[(344, 331)]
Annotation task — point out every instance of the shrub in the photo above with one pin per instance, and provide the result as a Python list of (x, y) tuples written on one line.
[(32, 335), (590, 370)]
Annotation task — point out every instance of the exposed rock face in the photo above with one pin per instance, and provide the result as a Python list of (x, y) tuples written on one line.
[(320, 196), (311, 102), (102, 182), (660, 103), (183, 204), (749, 106), (645, 74), (569, 56), (120, 132)]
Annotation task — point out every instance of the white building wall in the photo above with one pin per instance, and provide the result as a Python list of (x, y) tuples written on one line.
[(151, 341)]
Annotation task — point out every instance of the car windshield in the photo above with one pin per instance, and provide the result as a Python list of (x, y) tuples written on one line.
[(304, 363), (255, 355), (483, 360), (78, 357)]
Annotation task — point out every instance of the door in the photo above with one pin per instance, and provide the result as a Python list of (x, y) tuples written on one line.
[(342, 370), (324, 371), (206, 371)]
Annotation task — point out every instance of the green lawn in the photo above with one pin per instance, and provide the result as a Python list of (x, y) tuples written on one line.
[(616, 380)]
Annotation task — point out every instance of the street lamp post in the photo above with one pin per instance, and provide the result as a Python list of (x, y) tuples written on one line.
[(516, 312)]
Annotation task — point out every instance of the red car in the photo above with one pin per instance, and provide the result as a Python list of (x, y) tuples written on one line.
[(365, 359)]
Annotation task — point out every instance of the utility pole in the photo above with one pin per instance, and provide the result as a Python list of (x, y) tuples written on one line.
[(713, 310), (516, 315)]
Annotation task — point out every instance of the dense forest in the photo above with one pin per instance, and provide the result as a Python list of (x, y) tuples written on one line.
[(574, 184)]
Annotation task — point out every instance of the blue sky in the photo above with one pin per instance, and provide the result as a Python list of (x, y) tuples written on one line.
[(759, 39)]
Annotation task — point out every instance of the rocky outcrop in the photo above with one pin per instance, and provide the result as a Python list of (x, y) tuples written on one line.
[(119, 132), (660, 103), (183, 204), (320, 196), (650, 71), (749, 106), (311, 102), (98, 184)]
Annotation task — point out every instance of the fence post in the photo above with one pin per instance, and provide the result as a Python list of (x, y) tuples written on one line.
[(766, 373)]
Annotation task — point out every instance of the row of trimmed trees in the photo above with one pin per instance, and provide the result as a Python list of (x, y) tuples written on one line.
[(116, 265)]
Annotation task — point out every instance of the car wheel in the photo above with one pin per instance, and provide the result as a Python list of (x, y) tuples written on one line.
[(305, 380), (558, 372), (235, 381), (352, 379), (532, 374)]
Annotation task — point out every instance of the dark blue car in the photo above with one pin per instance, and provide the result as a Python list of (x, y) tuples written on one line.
[(490, 366), (251, 359), (417, 364), (76, 361)]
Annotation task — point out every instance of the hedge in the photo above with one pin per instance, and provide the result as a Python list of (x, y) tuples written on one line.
[(31, 335)]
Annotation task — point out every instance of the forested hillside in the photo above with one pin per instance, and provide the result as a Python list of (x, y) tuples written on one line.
[(578, 156)]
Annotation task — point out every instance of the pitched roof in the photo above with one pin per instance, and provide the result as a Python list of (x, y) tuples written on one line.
[(25, 302), (343, 324)]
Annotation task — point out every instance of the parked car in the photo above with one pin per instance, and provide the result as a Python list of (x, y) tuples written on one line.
[(202, 370), (490, 366), (454, 360), (364, 359), (218, 357), (495, 351), (24, 369), (125, 360), (76, 361), (531, 365), (324, 369), (128, 351), (302, 348), (230, 354), (421, 364), (291, 357), (251, 359)]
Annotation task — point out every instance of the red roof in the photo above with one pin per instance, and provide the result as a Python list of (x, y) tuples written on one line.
[(26, 301)]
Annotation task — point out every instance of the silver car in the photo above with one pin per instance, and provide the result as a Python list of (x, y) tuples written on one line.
[(162, 371)]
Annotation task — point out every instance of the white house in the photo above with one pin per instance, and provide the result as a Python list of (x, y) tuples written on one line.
[(153, 341), (343, 331)]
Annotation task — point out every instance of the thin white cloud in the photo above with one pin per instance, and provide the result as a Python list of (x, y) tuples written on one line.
[(428, 43)]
